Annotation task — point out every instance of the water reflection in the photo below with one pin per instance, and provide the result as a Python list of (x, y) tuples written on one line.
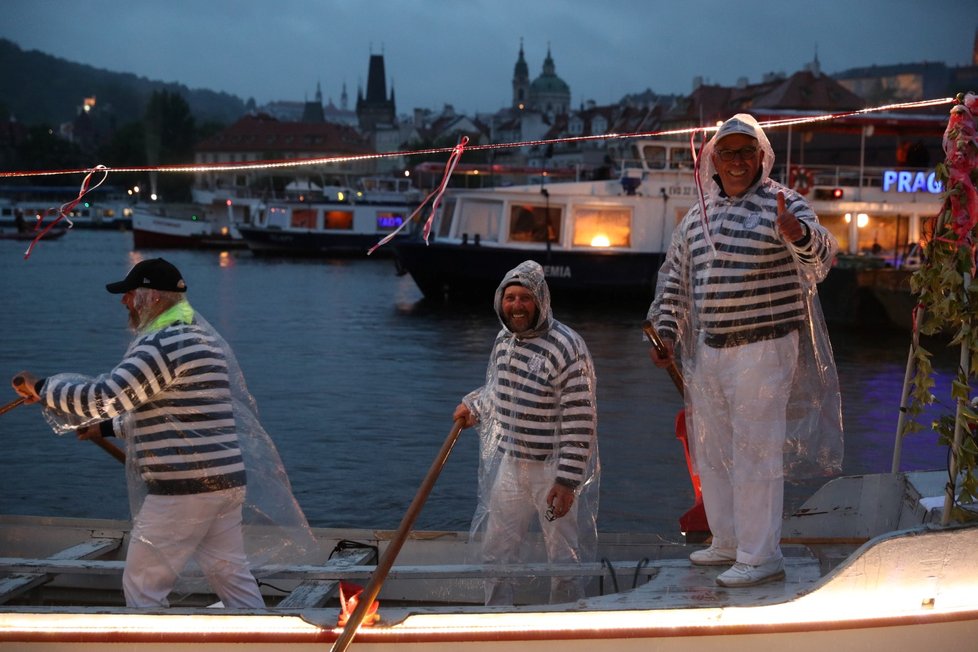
[(356, 379)]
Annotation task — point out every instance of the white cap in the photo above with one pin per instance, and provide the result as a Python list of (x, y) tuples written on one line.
[(735, 126)]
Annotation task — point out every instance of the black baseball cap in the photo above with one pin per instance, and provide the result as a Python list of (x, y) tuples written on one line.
[(155, 274)]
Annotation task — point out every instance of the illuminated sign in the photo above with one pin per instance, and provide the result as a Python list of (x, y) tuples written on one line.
[(386, 221), (906, 181)]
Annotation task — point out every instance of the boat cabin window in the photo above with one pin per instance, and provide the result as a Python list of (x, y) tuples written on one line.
[(479, 217), (680, 158), (602, 227), (529, 223), (655, 156), (338, 220), (445, 216), (303, 218), (388, 221)]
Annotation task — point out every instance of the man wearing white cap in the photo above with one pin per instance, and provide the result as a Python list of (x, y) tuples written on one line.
[(736, 299)]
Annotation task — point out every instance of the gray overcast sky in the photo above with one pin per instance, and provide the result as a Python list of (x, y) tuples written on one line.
[(462, 52)]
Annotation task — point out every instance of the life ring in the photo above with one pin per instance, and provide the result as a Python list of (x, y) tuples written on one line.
[(800, 180)]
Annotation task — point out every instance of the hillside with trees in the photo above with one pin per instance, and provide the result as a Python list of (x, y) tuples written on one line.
[(37, 88)]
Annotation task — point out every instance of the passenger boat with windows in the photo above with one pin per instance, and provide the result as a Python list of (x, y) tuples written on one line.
[(607, 238), (332, 221)]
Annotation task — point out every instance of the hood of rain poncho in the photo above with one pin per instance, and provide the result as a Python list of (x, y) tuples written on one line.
[(511, 348), (708, 171), (528, 274), (275, 529), (814, 439)]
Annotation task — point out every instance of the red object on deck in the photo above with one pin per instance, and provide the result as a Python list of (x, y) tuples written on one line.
[(693, 523), (349, 598)]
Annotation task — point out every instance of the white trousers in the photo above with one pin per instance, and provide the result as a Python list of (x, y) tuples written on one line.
[(170, 530), (519, 494), (739, 397)]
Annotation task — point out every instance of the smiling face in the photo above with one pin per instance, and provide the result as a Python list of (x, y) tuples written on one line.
[(738, 173), (519, 309)]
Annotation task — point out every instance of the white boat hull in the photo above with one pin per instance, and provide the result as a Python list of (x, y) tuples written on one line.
[(902, 590)]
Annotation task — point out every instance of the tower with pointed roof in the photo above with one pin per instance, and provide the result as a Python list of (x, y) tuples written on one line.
[(521, 82), (313, 111), (548, 92), (376, 109)]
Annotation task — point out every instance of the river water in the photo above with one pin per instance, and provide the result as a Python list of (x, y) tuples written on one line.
[(356, 379)]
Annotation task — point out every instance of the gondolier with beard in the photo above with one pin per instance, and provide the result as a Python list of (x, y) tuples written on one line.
[(537, 422), (199, 464), (736, 299)]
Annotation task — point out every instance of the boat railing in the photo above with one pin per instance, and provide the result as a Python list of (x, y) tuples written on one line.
[(847, 176)]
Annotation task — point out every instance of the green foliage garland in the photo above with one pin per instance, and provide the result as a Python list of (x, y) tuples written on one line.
[(948, 296)]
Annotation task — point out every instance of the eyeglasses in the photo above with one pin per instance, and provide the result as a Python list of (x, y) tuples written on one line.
[(745, 153)]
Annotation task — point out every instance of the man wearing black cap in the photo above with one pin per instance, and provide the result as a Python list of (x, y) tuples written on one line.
[(736, 297), (170, 397)]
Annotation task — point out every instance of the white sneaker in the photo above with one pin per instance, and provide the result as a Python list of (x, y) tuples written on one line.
[(713, 556), (746, 575)]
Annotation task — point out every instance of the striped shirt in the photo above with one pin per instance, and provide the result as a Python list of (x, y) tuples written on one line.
[(753, 288), (174, 383), (543, 399)]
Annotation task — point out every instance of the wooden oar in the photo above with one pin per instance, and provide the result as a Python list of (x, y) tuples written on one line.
[(99, 441), (384, 565), (660, 348), (11, 405)]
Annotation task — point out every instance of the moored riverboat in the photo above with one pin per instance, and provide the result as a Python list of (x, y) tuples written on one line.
[(191, 226), (337, 221), (607, 238)]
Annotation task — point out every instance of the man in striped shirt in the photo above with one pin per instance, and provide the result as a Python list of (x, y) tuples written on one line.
[(537, 423), (171, 398), (736, 295)]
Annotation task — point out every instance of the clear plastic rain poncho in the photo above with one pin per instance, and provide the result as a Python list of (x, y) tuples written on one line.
[(144, 401), (729, 279), (538, 426)]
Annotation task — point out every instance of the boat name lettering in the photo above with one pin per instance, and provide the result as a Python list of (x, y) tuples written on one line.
[(557, 271), (907, 181), (681, 191)]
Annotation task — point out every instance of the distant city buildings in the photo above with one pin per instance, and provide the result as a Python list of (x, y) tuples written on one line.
[(540, 109)]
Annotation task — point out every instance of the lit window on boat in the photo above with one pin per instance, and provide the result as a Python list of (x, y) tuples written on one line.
[(303, 218), (389, 221), (342, 220), (533, 223), (602, 227)]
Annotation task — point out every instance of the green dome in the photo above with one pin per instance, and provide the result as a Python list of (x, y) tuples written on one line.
[(549, 84)]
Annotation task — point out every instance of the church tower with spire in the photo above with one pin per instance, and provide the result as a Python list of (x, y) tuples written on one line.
[(313, 111), (521, 82)]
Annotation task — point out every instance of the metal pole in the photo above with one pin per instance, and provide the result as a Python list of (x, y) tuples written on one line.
[(787, 160)]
